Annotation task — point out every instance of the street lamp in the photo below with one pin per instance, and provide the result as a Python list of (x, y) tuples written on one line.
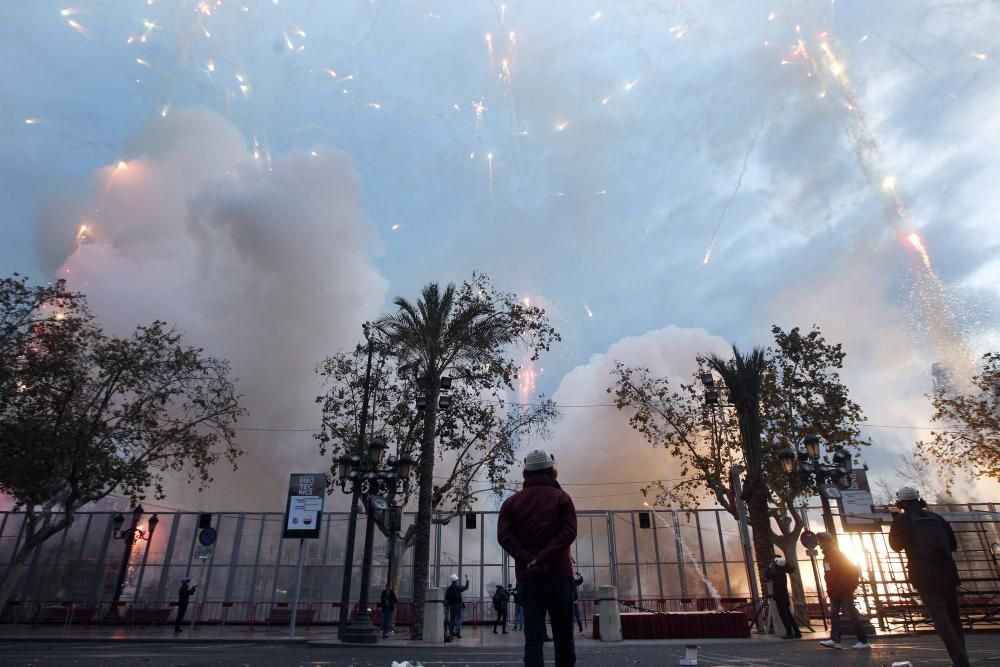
[(130, 536), (366, 476), (805, 469)]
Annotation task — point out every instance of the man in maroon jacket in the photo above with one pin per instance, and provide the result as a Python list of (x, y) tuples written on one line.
[(537, 527), (841, 577)]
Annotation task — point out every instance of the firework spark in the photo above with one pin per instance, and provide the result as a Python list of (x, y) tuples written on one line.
[(489, 166)]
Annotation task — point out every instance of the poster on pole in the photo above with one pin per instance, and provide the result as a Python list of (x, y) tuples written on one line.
[(856, 511), (304, 509)]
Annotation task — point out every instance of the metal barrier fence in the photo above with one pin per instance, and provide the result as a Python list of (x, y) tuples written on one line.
[(250, 574)]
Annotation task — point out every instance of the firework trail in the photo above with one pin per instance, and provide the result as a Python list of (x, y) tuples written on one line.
[(931, 297), (732, 196)]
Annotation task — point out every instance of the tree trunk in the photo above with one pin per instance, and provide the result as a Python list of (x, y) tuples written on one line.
[(422, 553), (13, 577), (759, 517), (33, 539), (789, 545)]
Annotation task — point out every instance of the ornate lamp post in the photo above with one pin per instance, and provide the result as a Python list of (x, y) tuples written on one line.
[(130, 536), (806, 470), (365, 475)]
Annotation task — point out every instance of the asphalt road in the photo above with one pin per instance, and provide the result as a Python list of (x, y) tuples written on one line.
[(985, 649)]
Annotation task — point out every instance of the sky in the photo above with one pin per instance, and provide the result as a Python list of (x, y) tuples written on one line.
[(664, 177)]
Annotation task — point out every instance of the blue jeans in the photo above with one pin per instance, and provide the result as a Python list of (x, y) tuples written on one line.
[(846, 604), (555, 598), (455, 619), (518, 616), (387, 620)]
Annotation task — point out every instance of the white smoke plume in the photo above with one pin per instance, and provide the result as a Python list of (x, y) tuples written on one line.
[(261, 262), (596, 444)]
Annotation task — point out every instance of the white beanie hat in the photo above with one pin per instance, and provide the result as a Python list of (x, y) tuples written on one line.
[(454, 577), (907, 493), (539, 459)]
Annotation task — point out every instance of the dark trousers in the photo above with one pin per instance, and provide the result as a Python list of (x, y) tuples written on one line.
[(387, 620), (555, 598), (785, 613), (501, 619), (181, 610), (576, 614), (846, 604), (942, 607)]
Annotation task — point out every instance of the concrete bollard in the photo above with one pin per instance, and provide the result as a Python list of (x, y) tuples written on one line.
[(611, 620), (434, 615)]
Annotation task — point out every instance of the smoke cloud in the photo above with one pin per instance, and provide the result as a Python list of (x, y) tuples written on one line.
[(262, 262)]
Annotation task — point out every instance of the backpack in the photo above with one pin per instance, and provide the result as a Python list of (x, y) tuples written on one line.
[(931, 543)]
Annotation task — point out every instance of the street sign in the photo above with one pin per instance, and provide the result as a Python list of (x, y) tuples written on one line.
[(808, 539), (203, 553), (207, 536), (304, 508)]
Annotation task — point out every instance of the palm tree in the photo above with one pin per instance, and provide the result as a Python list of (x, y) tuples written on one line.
[(744, 379), (464, 332)]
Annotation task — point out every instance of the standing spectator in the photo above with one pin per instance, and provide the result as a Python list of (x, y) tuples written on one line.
[(500, 600), (577, 581), (183, 595), (841, 577), (518, 609), (389, 601), (453, 601), (537, 527), (777, 575), (929, 541)]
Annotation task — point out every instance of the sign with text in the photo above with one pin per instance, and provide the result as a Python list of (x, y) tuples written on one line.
[(304, 510), (856, 501)]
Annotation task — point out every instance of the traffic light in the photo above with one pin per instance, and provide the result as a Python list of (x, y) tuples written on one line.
[(644, 521), (204, 521), (470, 521)]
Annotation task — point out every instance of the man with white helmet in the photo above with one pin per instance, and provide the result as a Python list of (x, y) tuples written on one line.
[(929, 541), (777, 575), (537, 526), (453, 601)]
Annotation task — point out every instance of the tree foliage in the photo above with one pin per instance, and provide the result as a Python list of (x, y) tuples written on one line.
[(782, 393), (477, 436), (470, 333), (85, 414), (970, 441)]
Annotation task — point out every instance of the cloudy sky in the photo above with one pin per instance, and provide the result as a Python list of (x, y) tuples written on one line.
[(666, 177)]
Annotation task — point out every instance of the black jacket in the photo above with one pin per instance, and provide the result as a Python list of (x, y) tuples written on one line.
[(184, 593), (928, 575), (389, 599), (778, 576)]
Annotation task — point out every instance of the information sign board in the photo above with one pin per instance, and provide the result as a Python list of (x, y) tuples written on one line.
[(304, 508)]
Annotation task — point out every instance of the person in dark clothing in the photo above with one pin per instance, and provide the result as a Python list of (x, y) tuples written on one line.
[(500, 600), (841, 577), (929, 541), (453, 604), (577, 582), (537, 527), (388, 601), (777, 575), (183, 595)]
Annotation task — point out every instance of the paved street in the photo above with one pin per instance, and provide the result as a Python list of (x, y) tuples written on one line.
[(920, 651)]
